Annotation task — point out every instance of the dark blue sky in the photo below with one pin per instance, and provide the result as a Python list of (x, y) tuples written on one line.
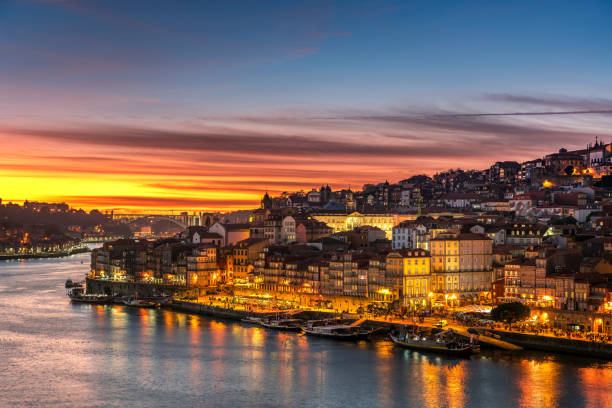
[(288, 73), (218, 57)]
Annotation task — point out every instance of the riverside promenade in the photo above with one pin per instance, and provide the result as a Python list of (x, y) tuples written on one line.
[(498, 339)]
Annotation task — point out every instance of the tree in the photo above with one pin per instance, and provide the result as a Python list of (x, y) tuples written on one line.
[(510, 312), (569, 170)]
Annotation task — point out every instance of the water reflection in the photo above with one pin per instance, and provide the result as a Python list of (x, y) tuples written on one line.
[(595, 386), (118, 356)]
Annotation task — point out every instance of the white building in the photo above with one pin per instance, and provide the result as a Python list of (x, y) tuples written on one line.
[(288, 226), (405, 235)]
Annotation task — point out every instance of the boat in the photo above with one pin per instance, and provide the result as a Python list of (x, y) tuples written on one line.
[(446, 342), (163, 301), (292, 325), (252, 320), (133, 302), (77, 295), (338, 331)]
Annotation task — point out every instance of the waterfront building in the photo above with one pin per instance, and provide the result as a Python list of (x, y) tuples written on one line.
[(408, 276), (202, 267), (462, 267), (243, 257), (167, 261), (124, 259)]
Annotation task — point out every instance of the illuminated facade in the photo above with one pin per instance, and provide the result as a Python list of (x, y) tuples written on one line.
[(346, 222), (408, 274), (462, 266), (202, 268)]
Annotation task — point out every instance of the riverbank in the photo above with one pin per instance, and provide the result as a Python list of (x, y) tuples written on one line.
[(499, 339), (384, 327), (45, 255)]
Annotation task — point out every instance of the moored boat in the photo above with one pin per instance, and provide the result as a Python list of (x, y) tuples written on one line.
[(77, 295), (338, 331), (445, 343), (138, 303), (92, 299), (292, 325), (252, 320)]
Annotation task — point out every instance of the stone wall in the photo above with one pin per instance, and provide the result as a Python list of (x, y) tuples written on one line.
[(105, 287), (557, 345)]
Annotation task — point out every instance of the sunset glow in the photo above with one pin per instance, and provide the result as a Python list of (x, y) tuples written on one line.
[(97, 118)]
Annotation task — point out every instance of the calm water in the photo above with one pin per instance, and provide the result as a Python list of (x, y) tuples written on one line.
[(56, 354)]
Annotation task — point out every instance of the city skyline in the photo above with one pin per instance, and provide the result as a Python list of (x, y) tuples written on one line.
[(206, 107)]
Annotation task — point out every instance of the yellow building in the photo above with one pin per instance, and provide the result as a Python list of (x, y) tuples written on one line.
[(241, 263), (408, 274), (346, 222), (462, 267)]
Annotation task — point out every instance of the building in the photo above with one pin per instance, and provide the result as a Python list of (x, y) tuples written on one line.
[(244, 255), (288, 230), (408, 276), (418, 233), (202, 268), (310, 230), (462, 266), (231, 233), (460, 200), (525, 234), (272, 229), (349, 221), (200, 235), (124, 259)]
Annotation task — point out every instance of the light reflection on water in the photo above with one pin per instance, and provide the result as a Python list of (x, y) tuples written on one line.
[(57, 354)]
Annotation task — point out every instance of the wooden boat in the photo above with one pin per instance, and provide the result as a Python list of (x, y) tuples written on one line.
[(138, 303), (77, 295), (338, 332), (439, 343), (252, 320), (92, 299), (292, 325)]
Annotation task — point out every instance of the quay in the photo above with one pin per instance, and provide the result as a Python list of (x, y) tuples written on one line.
[(498, 339), (562, 345), (123, 288)]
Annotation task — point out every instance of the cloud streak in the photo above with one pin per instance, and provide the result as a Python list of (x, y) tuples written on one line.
[(229, 161)]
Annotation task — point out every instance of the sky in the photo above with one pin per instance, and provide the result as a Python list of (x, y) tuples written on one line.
[(196, 105)]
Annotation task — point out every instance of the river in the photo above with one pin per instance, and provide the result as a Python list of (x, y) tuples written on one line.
[(56, 354)]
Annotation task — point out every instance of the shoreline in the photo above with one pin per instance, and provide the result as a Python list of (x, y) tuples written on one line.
[(46, 255), (508, 341), (499, 339)]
